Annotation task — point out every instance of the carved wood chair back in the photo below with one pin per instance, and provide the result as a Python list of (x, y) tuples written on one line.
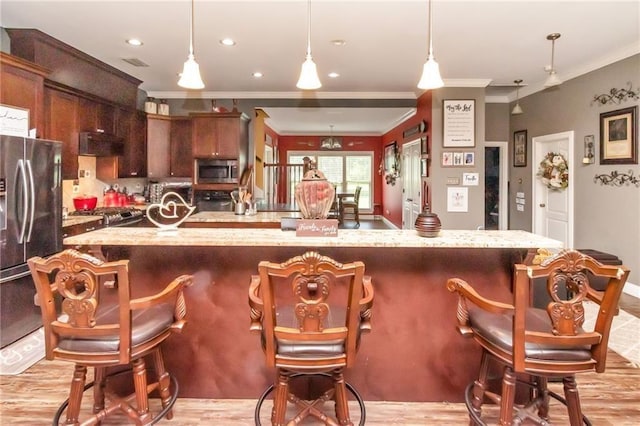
[(90, 319), (541, 342)]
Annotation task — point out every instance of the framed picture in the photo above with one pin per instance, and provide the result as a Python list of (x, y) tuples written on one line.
[(390, 157), (618, 136), (520, 148), (447, 159), (424, 145), (458, 199), (424, 171), (458, 158), (459, 123), (469, 158)]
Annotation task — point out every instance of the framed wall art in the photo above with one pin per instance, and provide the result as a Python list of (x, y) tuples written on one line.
[(618, 136), (520, 148), (424, 170), (390, 152), (459, 125)]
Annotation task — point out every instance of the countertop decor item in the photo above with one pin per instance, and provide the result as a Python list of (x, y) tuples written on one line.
[(85, 202), (315, 195), (428, 223), (170, 212), (554, 171)]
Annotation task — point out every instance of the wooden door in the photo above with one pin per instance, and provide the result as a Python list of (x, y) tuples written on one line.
[(158, 146), (60, 118), (411, 177), (87, 115), (132, 125), (181, 148), (228, 137), (553, 208)]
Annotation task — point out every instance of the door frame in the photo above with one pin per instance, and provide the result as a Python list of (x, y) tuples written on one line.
[(503, 217), (538, 144)]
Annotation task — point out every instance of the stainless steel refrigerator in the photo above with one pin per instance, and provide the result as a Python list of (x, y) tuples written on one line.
[(30, 225)]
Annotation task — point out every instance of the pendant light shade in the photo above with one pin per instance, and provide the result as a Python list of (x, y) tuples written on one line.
[(190, 77), (431, 71), (517, 109), (309, 79), (553, 79)]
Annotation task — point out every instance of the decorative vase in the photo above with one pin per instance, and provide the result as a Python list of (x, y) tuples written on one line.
[(428, 224), (314, 195)]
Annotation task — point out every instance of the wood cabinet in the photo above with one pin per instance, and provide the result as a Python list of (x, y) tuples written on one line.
[(81, 228), (158, 146), (23, 87), (95, 116), (132, 126), (61, 112), (181, 153), (220, 135)]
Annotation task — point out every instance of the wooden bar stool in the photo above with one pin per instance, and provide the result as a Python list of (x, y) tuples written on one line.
[(90, 319), (534, 345), (310, 312)]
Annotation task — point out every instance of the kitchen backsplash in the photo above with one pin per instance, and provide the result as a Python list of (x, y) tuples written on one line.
[(92, 186)]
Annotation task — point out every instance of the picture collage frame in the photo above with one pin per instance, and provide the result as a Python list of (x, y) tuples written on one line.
[(458, 159)]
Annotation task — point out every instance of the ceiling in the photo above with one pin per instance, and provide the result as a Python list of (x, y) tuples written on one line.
[(478, 43)]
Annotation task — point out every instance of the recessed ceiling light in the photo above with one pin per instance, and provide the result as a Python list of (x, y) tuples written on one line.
[(338, 42), (333, 75), (227, 42), (134, 42), (257, 74)]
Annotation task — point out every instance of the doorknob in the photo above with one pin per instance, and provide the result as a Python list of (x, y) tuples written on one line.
[(409, 199), (543, 205)]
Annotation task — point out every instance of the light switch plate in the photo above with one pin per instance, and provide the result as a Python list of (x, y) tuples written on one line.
[(453, 181)]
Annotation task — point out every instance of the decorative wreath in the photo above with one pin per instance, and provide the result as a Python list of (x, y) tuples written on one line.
[(554, 171)]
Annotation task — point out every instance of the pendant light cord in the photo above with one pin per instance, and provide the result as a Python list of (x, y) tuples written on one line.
[(309, 28), (191, 34), (430, 32)]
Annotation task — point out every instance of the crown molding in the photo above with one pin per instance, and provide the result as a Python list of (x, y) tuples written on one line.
[(183, 94)]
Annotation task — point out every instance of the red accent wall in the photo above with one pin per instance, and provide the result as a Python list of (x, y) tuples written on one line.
[(361, 143), (392, 194)]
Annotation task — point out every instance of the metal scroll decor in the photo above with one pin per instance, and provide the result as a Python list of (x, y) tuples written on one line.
[(618, 179), (616, 96)]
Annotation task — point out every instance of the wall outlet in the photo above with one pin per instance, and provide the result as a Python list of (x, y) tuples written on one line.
[(87, 173), (76, 189)]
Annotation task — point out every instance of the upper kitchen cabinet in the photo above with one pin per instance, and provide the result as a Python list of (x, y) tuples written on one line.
[(220, 135), (181, 147), (23, 87), (158, 146), (131, 126), (96, 116), (61, 112)]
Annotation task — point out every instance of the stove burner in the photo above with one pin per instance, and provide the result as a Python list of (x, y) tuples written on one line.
[(113, 216)]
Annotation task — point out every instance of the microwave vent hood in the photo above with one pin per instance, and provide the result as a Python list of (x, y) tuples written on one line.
[(98, 144)]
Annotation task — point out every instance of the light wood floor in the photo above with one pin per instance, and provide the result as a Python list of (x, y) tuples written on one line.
[(610, 398)]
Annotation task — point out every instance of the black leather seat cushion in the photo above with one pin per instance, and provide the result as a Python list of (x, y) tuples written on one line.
[(146, 324), (497, 329)]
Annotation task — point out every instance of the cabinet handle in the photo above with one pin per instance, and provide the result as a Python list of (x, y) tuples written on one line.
[(91, 229), (134, 173)]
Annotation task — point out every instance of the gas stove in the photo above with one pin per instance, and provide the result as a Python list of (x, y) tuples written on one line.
[(114, 216)]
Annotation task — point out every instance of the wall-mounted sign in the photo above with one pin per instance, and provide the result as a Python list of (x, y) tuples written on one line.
[(459, 123), (14, 121)]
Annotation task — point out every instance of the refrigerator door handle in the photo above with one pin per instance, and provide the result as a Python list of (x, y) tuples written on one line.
[(32, 199), (25, 201)]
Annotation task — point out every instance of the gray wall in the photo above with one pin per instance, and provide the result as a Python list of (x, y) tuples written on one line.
[(607, 218), (497, 122), (475, 216)]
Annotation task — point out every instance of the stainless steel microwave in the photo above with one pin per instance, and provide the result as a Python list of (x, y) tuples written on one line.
[(212, 170)]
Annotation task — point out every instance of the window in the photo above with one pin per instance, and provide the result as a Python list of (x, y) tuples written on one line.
[(345, 170)]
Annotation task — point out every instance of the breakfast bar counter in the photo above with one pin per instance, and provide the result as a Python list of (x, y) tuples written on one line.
[(413, 352), (216, 219)]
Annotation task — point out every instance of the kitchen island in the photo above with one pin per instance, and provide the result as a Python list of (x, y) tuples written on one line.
[(217, 219), (413, 353)]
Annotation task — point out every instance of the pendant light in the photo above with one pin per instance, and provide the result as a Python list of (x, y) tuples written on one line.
[(431, 71), (517, 109), (331, 142), (190, 77), (553, 79), (308, 74)]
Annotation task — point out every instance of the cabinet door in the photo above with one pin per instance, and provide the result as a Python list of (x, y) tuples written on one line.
[(61, 112), (106, 118), (204, 135), (228, 137), (131, 125), (158, 146), (23, 89), (181, 149), (87, 119)]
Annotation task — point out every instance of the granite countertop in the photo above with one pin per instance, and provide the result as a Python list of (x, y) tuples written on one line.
[(77, 220), (275, 237), (227, 217)]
